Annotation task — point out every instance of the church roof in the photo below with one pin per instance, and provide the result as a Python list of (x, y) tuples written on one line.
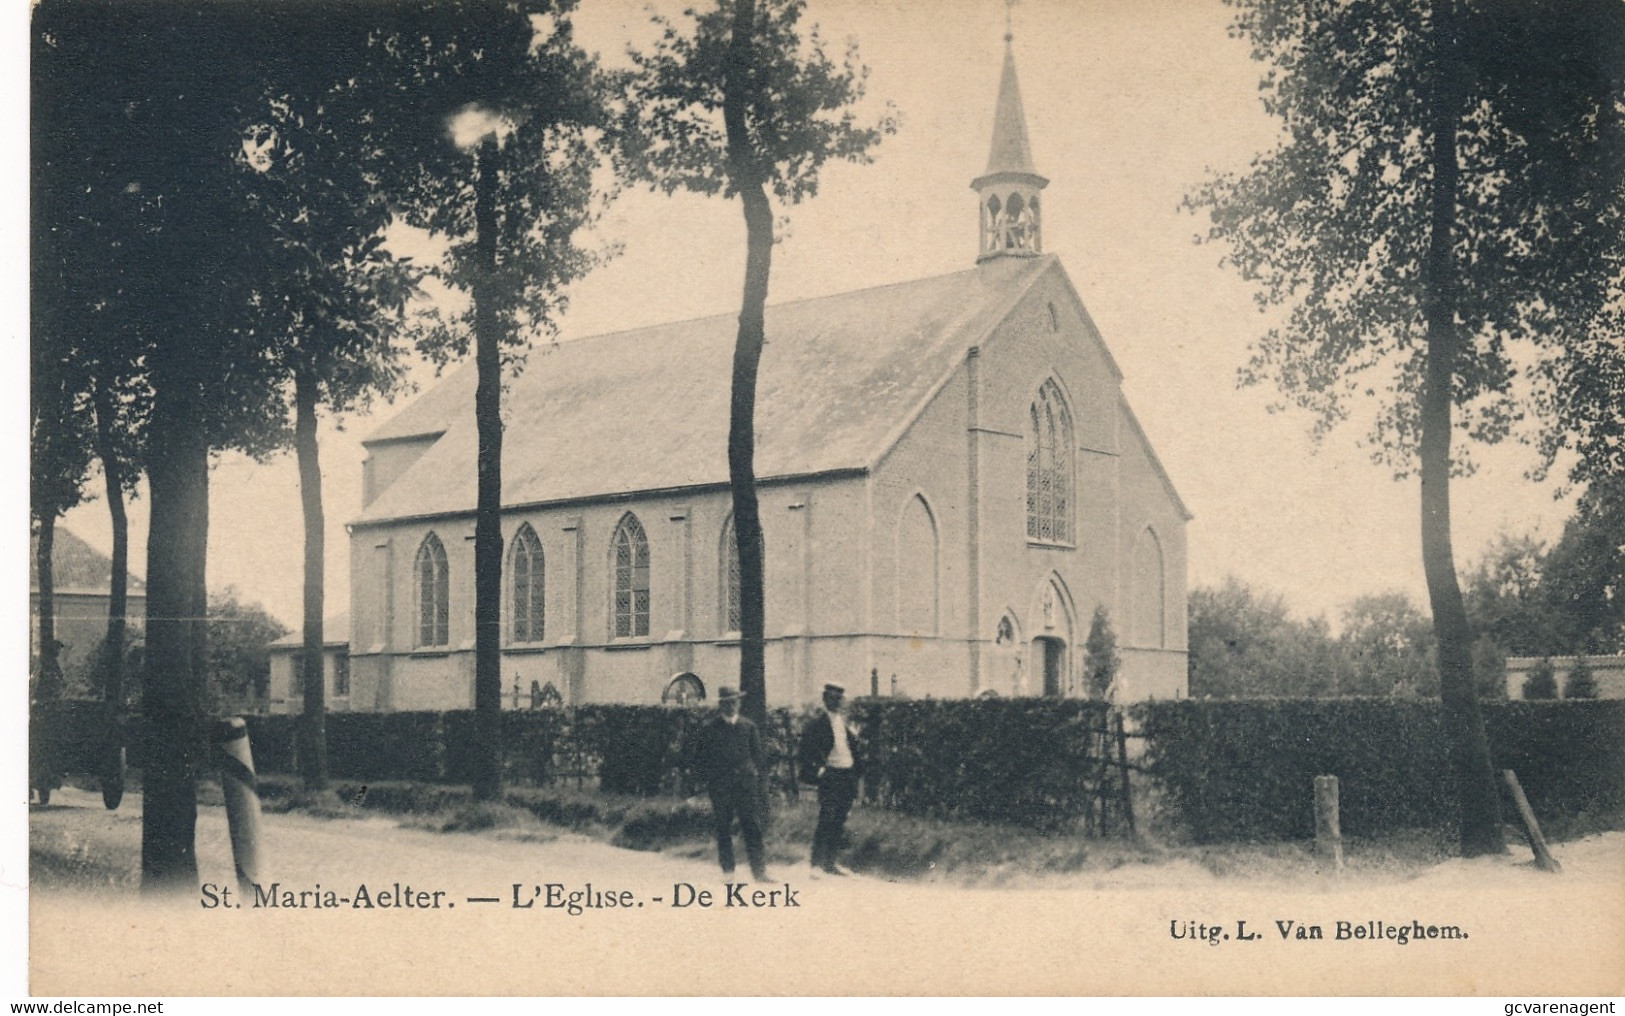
[(76, 566), (1010, 152), (841, 376)]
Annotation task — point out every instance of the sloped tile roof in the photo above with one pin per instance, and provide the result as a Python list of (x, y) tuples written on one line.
[(335, 629), (76, 566), (648, 409)]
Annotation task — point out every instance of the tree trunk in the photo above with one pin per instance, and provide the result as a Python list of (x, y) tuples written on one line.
[(487, 774), (178, 474), (746, 179), (118, 591), (1468, 747), (48, 683), (312, 663)]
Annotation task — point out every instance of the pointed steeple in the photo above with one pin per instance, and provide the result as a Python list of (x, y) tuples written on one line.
[(1010, 153), (1007, 193)]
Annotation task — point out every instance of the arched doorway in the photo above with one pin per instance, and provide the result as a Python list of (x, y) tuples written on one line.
[(1055, 633), (1049, 654)]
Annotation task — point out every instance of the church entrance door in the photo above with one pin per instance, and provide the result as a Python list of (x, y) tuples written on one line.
[(1052, 654)]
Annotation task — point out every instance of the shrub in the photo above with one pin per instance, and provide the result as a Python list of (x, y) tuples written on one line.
[(1541, 682), (1581, 682), (1103, 659)]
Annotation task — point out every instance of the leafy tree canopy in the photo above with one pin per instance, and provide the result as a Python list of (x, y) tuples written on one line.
[(1584, 577), (1333, 224), (1389, 644), (798, 101), (1244, 644), (515, 72), (240, 637)]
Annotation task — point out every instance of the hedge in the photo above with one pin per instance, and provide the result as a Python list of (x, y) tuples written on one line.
[(1244, 770), (1221, 770), (1030, 761), (1034, 762), (625, 749)]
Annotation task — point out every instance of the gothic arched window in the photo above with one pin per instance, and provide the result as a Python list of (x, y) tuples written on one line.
[(1150, 592), (729, 552), (529, 586), (433, 593), (730, 577), (1049, 468), (917, 591), (630, 560)]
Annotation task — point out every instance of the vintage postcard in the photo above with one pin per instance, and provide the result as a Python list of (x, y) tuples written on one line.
[(1094, 651)]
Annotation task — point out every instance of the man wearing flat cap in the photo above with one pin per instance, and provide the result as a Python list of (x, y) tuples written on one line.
[(729, 758), (828, 757)]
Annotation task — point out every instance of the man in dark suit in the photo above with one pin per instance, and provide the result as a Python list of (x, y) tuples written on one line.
[(828, 758), (729, 758)]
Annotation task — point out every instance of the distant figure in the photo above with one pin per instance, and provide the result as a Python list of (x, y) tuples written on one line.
[(828, 759), (729, 758)]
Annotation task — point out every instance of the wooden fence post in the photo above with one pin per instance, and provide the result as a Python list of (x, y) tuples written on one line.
[(1122, 761), (1531, 828), (1328, 823)]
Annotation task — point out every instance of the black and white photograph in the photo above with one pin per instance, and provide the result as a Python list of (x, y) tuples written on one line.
[(822, 497)]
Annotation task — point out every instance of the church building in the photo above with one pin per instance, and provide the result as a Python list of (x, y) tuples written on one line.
[(951, 484)]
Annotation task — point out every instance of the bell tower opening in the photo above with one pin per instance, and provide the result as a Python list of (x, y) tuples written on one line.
[(1007, 192)]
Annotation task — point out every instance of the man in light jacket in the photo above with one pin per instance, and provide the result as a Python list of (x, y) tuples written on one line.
[(828, 758)]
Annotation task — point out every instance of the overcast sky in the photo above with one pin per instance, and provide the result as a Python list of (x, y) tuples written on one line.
[(1129, 106)]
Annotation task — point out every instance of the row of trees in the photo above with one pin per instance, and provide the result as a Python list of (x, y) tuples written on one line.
[(1523, 599), (210, 264)]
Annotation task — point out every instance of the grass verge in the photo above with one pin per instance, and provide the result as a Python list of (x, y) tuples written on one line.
[(880, 843)]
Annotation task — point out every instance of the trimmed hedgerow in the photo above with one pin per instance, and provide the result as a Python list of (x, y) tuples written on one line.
[(1034, 762), (1220, 770), (402, 746), (70, 735), (1569, 756), (272, 740), (530, 740), (1244, 770)]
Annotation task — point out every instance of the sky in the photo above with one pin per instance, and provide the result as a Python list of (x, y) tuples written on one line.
[(1129, 108)]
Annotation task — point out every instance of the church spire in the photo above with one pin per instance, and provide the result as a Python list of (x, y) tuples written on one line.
[(1007, 193)]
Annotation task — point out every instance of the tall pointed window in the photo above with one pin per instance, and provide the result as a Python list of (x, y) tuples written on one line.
[(917, 587), (434, 593), (631, 563), (1150, 592), (1049, 468), (730, 577), (529, 586)]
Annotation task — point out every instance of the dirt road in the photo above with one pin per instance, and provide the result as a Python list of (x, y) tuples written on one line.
[(365, 907)]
